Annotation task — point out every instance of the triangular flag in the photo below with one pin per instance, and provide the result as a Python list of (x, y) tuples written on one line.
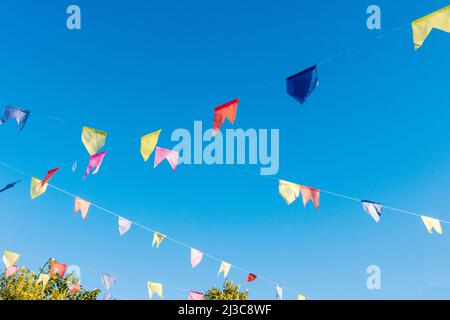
[(225, 268), (194, 295), (251, 277), (10, 258), (57, 268), (157, 239), (289, 191), (373, 209), (279, 292), (95, 161), (170, 155), (148, 144), (43, 278), (301, 297), (9, 185), (431, 224), (93, 139), (124, 225), (83, 206), (20, 115), (36, 189), (302, 84), (108, 281), (49, 175), (74, 288), (437, 20), (196, 257), (155, 288), (225, 111), (11, 270), (310, 194)]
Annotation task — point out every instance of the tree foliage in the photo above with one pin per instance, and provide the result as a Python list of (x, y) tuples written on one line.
[(229, 292), (24, 285)]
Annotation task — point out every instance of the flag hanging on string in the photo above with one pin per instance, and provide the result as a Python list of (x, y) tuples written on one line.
[(20, 115), (155, 288), (83, 206), (165, 154), (148, 144), (194, 295), (225, 268), (279, 292), (43, 278), (225, 111), (157, 239), (196, 257), (310, 194), (302, 84), (124, 225), (373, 209), (9, 185), (93, 139), (95, 161), (10, 258), (49, 175), (57, 268), (108, 281), (422, 27), (289, 191), (432, 224), (36, 189), (11, 270), (251, 277), (74, 288)]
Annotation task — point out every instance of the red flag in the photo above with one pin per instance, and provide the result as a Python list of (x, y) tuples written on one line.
[(225, 111), (49, 175), (75, 288), (58, 268), (310, 194), (251, 277)]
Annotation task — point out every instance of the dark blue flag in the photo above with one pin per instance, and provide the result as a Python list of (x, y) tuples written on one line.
[(301, 85), (9, 186)]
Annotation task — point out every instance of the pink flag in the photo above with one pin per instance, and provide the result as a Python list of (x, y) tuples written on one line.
[(75, 288), (83, 206), (196, 257), (171, 156), (225, 111), (11, 270), (194, 295), (58, 268), (49, 175), (95, 161), (310, 194)]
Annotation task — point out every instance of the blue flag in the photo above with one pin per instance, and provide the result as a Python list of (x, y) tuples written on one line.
[(9, 186), (302, 84), (20, 115)]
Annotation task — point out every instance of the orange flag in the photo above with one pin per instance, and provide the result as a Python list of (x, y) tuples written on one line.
[(225, 111), (83, 206), (310, 194), (58, 268)]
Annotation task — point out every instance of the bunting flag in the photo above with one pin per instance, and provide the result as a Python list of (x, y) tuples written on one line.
[(9, 186), (49, 175), (93, 139), (422, 27), (83, 206), (302, 84), (10, 258), (225, 268), (310, 194), (194, 295), (431, 224), (289, 191), (251, 277), (20, 115), (108, 281), (155, 288), (124, 225), (279, 292), (11, 270), (225, 111), (95, 161), (301, 297), (169, 155), (196, 257), (43, 278), (373, 209), (36, 189), (74, 288), (57, 268), (157, 239), (148, 144)]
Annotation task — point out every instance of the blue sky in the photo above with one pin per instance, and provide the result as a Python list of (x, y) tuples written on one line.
[(376, 128)]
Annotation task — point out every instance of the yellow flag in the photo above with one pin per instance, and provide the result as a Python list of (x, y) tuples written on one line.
[(148, 144), (421, 28), (10, 258), (43, 278), (431, 224), (93, 139), (301, 297), (158, 238), (225, 268), (155, 288), (36, 189), (289, 191)]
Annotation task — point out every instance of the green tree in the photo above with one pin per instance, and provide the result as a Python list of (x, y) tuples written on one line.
[(24, 285), (229, 292)]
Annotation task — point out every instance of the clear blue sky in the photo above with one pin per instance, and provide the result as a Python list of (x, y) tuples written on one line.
[(376, 128)]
